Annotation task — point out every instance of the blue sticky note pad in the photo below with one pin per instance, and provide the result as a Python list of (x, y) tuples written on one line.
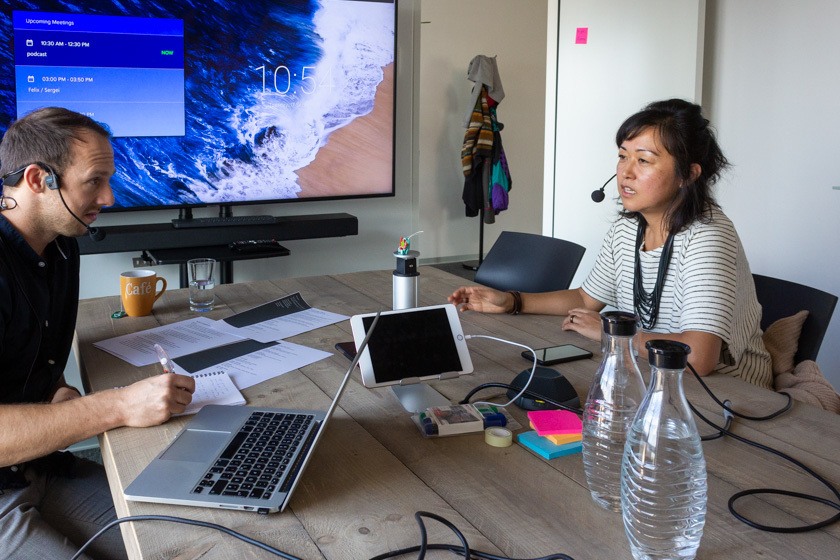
[(544, 448)]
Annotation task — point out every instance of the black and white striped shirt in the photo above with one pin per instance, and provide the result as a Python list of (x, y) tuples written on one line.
[(708, 288)]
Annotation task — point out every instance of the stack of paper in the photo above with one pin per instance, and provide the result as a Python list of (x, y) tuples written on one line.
[(556, 433), (215, 387), (246, 346)]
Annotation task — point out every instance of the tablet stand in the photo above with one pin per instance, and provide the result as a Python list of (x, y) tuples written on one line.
[(417, 397)]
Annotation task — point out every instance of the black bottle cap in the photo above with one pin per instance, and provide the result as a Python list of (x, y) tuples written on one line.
[(619, 323), (667, 354)]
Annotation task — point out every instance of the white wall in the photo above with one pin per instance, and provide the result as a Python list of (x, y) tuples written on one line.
[(771, 88), (452, 33), (635, 53)]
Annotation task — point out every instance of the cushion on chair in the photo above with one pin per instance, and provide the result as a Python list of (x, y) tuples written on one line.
[(782, 298), (807, 384), (782, 341)]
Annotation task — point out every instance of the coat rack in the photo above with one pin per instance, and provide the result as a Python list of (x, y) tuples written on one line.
[(473, 265), (487, 176)]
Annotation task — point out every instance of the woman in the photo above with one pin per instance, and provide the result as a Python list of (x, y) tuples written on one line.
[(672, 256)]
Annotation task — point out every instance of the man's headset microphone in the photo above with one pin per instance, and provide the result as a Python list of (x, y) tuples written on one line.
[(52, 183)]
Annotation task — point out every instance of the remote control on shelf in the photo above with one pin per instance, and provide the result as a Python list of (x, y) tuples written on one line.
[(254, 245)]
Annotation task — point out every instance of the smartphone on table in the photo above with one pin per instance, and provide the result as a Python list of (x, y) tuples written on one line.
[(558, 354), (347, 348)]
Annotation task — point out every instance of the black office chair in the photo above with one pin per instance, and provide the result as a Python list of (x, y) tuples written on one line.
[(528, 262), (781, 298)]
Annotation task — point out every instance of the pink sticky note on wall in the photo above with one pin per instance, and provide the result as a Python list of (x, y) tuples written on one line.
[(581, 35)]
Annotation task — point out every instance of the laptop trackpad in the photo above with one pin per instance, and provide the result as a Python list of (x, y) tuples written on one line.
[(195, 446)]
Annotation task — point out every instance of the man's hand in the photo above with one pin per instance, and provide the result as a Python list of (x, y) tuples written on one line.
[(154, 400)]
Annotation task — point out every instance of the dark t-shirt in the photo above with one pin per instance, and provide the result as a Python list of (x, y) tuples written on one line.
[(39, 299)]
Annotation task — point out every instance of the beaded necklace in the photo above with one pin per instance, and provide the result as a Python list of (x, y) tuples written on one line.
[(646, 304)]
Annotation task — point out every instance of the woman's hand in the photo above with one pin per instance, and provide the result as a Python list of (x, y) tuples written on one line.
[(481, 299), (584, 322)]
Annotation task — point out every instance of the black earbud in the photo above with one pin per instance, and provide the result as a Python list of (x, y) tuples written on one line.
[(51, 180), (598, 195)]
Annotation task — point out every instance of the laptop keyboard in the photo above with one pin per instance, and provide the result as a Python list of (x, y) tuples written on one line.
[(258, 457)]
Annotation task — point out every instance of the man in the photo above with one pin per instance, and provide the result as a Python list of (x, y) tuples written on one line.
[(56, 166)]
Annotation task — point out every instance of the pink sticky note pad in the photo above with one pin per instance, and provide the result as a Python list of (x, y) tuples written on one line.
[(581, 35), (555, 422)]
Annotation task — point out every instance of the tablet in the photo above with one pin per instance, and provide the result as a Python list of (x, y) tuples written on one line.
[(412, 345)]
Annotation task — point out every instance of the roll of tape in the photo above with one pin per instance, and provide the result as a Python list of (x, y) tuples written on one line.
[(498, 437)]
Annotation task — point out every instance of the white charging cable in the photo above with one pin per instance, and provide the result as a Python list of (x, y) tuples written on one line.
[(530, 377)]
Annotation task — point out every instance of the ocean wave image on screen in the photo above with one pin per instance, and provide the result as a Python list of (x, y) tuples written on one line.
[(266, 83)]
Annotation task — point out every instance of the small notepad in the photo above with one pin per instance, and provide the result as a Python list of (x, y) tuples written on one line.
[(554, 422), (214, 387), (544, 448)]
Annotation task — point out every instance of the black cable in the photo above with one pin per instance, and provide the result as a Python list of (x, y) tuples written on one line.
[(460, 551), (463, 550), (758, 491), (727, 415), (528, 393), (418, 516), (185, 521), (726, 408)]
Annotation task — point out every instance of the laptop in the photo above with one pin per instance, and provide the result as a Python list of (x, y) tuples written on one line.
[(238, 457)]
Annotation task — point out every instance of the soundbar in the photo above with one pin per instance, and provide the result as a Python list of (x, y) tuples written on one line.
[(223, 221)]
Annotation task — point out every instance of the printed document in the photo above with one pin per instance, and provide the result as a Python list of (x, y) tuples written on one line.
[(249, 362), (178, 339), (278, 319)]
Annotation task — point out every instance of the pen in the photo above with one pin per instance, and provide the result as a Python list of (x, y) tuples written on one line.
[(165, 362)]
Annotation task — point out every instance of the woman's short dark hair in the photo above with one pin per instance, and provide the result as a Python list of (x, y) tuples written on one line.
[(45, 135), (687, 136)]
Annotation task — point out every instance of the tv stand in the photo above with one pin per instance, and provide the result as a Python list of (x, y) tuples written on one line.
[(222, 253), (168, 245)]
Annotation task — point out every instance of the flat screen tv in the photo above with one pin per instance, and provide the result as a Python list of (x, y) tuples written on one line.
[(216, 102)]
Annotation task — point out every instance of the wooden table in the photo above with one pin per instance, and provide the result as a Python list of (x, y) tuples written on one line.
[(373, 470)]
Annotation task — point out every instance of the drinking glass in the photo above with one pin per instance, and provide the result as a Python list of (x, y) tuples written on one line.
[(202, 284)]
